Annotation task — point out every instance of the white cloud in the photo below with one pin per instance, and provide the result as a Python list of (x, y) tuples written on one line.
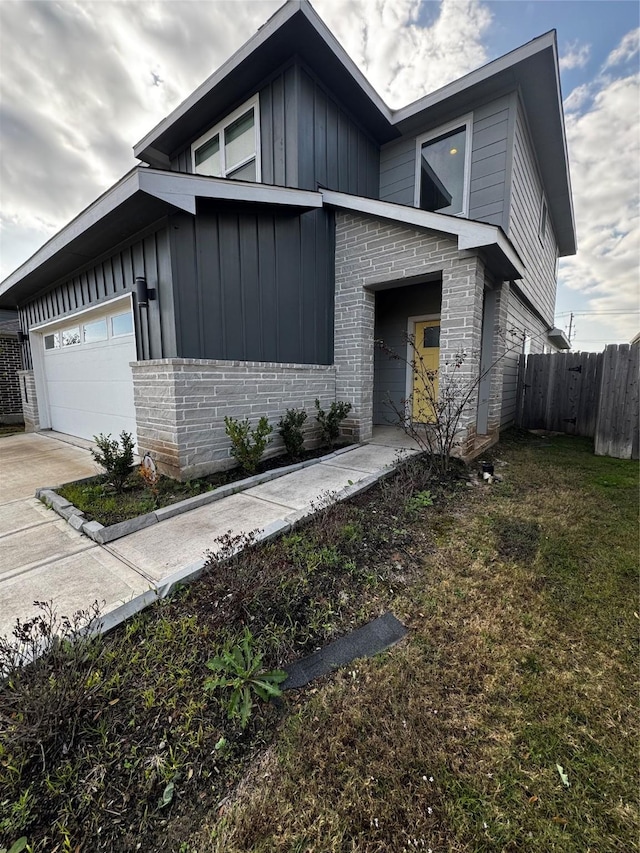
[(604, 149), (78, 90), (626, 50), (575, 56), (402, 60), (96, 77)]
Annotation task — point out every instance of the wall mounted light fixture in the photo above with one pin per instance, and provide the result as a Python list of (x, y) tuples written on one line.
[(22, 337), (144, 294)]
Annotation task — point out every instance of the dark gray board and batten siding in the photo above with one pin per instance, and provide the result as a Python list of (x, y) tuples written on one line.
[(334, 151), (307, 138), (111, 276), (254, 285), (488, 199), (278, 131)]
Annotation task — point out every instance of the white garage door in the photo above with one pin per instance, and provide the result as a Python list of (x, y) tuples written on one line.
[(87, 373)]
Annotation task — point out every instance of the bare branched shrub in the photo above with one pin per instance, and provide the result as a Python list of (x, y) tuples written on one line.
[(47, 670), (434, 414)]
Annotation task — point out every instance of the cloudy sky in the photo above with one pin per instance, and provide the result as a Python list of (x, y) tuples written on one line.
[(83, 80)]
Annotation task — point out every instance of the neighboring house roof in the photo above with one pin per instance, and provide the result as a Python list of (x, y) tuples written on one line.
[(636, 339), (532, 70)]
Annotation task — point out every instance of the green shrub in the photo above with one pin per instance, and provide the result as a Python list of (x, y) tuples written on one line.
[(248, 444), (238, 667), (117, 460), (291, 431), (330, 421)]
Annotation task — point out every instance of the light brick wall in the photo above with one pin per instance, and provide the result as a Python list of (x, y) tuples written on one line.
[(27, 382), (181, 405), (370, 253)]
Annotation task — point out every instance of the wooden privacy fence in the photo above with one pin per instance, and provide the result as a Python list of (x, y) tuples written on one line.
[(590, 394)]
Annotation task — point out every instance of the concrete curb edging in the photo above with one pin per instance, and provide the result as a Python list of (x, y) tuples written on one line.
[(104, 534)]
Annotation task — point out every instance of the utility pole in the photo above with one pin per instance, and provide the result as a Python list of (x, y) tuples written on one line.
[(570, 326)]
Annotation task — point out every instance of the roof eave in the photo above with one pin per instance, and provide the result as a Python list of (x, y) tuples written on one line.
[(514, 71), (157, 144), (145, 195)]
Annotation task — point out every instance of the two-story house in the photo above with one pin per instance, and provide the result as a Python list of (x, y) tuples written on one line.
[(284, 219)]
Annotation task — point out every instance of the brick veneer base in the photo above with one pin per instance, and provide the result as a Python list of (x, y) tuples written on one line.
[(181, 405)]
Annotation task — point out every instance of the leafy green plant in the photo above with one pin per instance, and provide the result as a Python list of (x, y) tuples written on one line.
[(248, 444), (17, 846), (330, 421), (239, 668), (419, 501), (291, 431), (116, 457)]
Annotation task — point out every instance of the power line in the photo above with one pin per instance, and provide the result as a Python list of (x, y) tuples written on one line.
[(581, 313)]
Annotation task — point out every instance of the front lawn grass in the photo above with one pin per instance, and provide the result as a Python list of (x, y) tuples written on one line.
[(521, 599), (522, 656)]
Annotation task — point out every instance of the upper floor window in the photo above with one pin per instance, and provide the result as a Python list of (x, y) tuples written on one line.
[(443, 160), (542, 225), (231, 148)]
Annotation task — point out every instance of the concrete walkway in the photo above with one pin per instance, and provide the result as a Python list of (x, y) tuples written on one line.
[(43, 558)]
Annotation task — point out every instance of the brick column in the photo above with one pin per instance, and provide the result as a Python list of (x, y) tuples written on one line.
[(461, 332), (29, 400), (503, 343), (354, 330)]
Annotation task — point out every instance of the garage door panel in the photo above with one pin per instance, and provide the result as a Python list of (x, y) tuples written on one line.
[(90, 386)]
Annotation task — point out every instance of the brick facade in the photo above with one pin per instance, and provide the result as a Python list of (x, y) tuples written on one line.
[(10, 364), (181, 405), (371, 253)]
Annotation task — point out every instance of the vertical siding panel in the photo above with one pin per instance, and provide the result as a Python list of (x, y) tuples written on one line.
[(306, 139), (209, 283), (250, 285), (268, 287), (287, 249), (320, 137), (268, 141), (332, 146), (233, 318), (291, 117), (154, 332)]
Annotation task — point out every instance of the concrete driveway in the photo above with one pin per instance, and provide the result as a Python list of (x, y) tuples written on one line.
[(41, 556)]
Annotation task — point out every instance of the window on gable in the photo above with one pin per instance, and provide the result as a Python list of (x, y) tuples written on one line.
[(230, 149), (542, 228), (442, 184)]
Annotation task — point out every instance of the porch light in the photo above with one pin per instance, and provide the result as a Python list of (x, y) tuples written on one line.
[(144, 294), (22, 338)]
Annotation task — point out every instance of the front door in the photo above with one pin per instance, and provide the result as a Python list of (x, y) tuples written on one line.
[(425, 374)]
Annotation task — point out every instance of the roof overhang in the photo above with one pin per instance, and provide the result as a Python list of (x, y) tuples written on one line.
[(295, 23), (533, 71), (559, 339), (140, 198), (501, 257)]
